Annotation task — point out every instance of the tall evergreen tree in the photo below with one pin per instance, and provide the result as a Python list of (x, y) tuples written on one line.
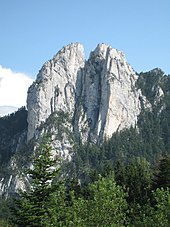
[(162, 179), (37, 206), (136, 177)]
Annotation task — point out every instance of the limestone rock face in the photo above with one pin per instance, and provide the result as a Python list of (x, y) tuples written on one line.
[(99, 93), (74, 98), (54, 88), (110, 99)]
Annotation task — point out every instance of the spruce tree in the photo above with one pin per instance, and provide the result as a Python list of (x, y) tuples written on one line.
[(162, 179), (42, 204)]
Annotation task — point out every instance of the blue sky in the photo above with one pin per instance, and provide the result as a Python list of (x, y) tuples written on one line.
[(33, 31)]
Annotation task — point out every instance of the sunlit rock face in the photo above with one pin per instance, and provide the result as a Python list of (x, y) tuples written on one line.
[(99, 93), (55, 86), (109, 98), (76, 99)]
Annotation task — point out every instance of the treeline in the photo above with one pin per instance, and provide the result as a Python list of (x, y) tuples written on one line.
[(123, 182), (132, 194), (11, 127)]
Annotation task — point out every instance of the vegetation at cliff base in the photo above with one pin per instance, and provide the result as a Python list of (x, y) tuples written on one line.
[(125, 181), (128, 195)]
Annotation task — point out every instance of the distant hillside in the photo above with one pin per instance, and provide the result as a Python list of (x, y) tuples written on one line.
[(5, 110)]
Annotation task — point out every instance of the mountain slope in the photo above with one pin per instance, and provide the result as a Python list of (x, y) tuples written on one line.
[(99, 93), (100, 102)]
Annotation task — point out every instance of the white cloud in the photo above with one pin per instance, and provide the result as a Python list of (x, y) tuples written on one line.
[(13, 87)]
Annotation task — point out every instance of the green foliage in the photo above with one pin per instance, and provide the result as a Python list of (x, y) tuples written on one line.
[(5, 211), (37, 206), (108, 206), (11, 127), (148, 83), (101, 203), (157, 215), (154, 123), (136, 177), (60, 121), (13, 123), (105, 205), (94, 197), (163, 175)]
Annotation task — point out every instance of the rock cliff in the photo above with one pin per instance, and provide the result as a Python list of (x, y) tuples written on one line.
[(78, 99), (99, 93), (55, 86)]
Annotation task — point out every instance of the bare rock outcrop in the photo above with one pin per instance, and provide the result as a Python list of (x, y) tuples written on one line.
[(54, 88), (99, 93)]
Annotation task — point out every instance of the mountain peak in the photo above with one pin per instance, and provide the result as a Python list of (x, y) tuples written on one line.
[(72, 47), (103, 50), (157, 71), (101, 87)]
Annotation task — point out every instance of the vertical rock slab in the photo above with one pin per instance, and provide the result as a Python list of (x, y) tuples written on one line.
[(110, 99), (54, 88), (100, 94)]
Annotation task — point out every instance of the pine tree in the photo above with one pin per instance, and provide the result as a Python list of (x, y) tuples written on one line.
[(43, 203), (136, 177), (163, 176)]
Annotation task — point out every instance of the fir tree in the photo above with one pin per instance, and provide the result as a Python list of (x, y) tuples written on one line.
[(162, 179), (40, 205)]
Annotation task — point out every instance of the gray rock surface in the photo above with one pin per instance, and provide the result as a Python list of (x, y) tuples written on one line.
[(73, 97), (111, 101), (99, 93), (54, 88)]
